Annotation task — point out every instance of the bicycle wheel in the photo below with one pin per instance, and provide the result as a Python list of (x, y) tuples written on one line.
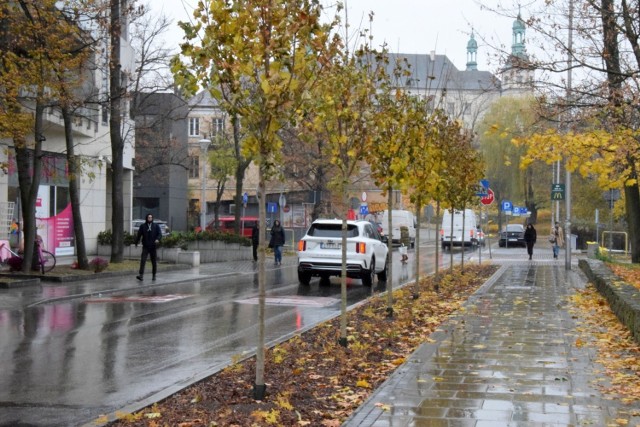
[(48, 262)]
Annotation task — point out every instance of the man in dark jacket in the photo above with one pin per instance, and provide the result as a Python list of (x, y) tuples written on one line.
[(277, 241), (150, 234), (530, 237), (255, 240)]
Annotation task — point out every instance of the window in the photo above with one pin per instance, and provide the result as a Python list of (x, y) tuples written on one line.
[(194, 126), (217, 126), (194, 167)]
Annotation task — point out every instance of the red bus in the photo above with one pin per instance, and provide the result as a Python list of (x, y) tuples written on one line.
[(227, 224)]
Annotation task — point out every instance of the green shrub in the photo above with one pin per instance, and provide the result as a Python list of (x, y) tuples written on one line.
[(106, 237)]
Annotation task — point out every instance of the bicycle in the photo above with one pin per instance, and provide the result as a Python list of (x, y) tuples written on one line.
[(45, 261)]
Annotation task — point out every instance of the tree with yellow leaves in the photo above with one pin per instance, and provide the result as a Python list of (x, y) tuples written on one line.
[(423, 171), (272, 52), (388, 155)]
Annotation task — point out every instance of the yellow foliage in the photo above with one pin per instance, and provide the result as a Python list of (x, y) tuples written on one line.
[(363, 384)]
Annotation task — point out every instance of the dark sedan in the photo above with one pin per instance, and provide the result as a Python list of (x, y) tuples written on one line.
[(512, 235)]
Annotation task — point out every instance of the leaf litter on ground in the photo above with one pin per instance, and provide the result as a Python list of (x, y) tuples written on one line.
[(312, 379)]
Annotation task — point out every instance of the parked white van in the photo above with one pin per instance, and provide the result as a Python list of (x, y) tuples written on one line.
[(399, 218), (454, 236)]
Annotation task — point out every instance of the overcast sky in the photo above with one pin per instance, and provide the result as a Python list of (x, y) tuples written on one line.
[(409, 26)]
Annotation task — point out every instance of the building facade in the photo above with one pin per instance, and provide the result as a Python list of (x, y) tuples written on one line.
[(160, 184), (92, 144)]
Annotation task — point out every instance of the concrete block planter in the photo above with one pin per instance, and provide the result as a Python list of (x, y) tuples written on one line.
[(623, 298), (198, 252)]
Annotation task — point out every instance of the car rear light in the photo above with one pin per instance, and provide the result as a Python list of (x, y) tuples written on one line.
[(361, 248), (442, 232), (302, 246)]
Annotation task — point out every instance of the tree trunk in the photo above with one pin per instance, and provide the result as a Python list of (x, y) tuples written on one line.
[(74, 192), (29, 184), (241, 166), (632, 204), (259, 386), (390, 247), (117, 142)]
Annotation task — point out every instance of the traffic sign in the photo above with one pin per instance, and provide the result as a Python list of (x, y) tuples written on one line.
[(506, 206), (557, 191), (272, 207), (484, 183), (245, 199), (489, 198), (364, 209)]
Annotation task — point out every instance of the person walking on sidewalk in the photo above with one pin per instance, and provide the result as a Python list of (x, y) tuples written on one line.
[(277, 241), (557, 239), (530, 236), (255, 240), (150, 234)]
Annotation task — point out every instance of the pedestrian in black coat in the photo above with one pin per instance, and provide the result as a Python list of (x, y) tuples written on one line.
[(150, 234), (255, 240), (530, 236), (277, 241)]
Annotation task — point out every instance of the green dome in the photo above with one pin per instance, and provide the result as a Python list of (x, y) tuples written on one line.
[(472, 44), (518, 24)]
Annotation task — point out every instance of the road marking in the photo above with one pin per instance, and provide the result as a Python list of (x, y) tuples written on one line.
[(294, 301), (151, 299)]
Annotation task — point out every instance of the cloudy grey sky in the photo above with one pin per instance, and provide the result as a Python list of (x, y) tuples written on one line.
[(409, 26)]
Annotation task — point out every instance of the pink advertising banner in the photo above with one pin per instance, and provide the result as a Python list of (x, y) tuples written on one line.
[(57, 232)]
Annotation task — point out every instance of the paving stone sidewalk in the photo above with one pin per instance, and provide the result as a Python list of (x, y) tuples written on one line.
[(508, 359)]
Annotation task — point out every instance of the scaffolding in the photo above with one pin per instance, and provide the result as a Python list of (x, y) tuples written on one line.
[(6, 219)]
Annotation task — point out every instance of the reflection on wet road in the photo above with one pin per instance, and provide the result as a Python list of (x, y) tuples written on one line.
[(68, 362)]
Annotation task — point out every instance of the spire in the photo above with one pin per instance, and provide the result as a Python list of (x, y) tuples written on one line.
[(517, 48), (472, 50)]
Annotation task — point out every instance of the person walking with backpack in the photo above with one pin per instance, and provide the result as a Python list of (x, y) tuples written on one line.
[(530, 236), (277, 241), (150, 234), (557, 239)]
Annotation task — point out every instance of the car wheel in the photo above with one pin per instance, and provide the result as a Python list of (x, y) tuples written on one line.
[(383, 274), (413, 243), (368, 275), (304, 277), (501, 244)]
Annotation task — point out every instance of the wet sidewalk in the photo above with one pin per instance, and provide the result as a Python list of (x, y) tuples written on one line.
[(508, 359)]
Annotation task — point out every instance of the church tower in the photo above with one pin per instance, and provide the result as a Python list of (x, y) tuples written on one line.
[(472, 52), (517, 74)]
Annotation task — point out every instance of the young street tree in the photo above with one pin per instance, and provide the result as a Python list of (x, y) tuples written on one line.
[(270, 53), (422, 172), (388, 154), (343, 118)]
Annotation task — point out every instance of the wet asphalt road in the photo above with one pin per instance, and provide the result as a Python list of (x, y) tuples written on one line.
[(68, 360)]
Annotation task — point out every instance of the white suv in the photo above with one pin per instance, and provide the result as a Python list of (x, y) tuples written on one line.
[(320, 251)]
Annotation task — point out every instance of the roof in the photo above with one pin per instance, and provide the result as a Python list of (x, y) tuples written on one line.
[(203, 99), (440, 73)]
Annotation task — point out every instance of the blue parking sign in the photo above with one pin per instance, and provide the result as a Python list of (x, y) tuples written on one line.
[(507, 206)]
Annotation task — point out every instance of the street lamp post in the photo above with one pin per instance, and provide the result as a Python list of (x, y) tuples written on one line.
[(204, 146)]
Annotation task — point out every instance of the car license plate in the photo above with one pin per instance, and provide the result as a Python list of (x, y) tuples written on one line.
[(330, 245), (513, 240)]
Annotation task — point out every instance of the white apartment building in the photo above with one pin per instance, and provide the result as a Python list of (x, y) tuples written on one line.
[(93, 145)]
